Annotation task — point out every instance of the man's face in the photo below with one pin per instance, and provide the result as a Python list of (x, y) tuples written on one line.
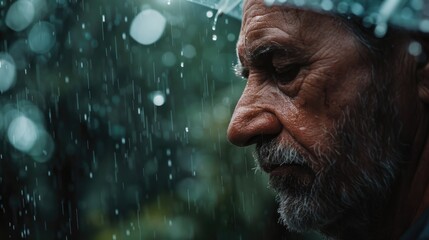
[(325, 132)]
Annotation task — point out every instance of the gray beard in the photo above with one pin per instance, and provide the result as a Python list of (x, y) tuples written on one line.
[(355, 181)]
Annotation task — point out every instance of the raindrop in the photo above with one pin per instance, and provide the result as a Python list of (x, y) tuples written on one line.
[(215, 20), (231, 37), (7, 72), (327, 5), (22, 133), (342, 7), (299, 3), (214, 37), (269, 2), (168, 59), (20, 15), (415, 49), (41, 37), (424, 25), (158, 99), (209, 14), (147, 27), (189, 51), (357, 9), (380, 30)]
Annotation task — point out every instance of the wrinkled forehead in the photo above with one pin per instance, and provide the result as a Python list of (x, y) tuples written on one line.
[(256, 10), (257, 15), (264, 24)]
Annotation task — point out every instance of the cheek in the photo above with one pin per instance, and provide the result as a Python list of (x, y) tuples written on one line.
[(314, 132), (320, 112)]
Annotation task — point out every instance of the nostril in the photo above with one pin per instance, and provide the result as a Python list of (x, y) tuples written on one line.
[(253, 140)]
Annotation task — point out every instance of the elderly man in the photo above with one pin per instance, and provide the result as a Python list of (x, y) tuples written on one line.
[(340, 121)]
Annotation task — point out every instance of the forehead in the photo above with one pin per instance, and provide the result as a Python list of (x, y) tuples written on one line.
[(284, 26)]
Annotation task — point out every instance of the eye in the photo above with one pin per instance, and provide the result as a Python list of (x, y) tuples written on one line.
[(285, 75)]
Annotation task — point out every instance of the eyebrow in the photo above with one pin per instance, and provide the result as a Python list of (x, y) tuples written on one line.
[(262, 53)]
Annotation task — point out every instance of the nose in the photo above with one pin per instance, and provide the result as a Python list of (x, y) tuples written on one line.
[(253, 119)]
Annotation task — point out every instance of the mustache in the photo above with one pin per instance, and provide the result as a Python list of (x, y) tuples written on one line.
[(271, 153)]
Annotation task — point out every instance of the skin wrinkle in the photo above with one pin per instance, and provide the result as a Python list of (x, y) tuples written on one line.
[(347, 126)]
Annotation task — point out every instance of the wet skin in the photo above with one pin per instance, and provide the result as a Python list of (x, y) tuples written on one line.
[(305, 71)]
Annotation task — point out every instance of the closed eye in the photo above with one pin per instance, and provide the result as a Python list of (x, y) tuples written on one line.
[(287, 74)]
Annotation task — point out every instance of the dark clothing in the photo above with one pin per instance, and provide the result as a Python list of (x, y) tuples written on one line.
[(419, 230)]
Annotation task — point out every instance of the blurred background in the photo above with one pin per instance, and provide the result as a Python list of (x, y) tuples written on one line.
[(113, 118)]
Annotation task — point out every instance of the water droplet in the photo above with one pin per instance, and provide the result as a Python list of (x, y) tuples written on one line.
[(415, 48), (148, 26), (20, 15), (214, 37), (189, 51), (7, 72), (209, 14), (22, 133), (168, 59), (424, 25), (158, 99), (231, 37), (41, 37)]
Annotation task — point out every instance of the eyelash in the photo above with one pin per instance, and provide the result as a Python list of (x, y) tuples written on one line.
[(286, 74)]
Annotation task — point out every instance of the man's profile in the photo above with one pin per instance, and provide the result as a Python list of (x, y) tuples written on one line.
[(340, 120)]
